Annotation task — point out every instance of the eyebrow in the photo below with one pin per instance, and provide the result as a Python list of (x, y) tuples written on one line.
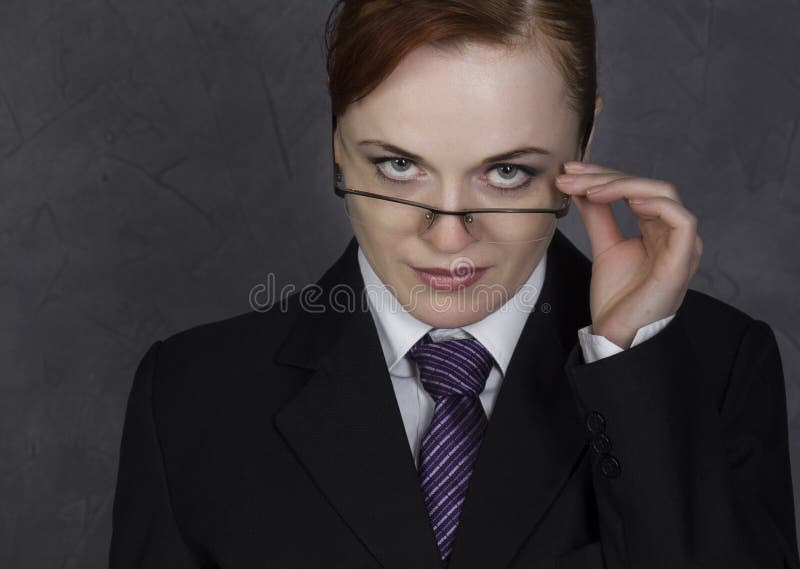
[(490, 160)]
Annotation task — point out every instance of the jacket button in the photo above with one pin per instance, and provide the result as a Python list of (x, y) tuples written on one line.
[(609, 466), (595, 422), (601, 444)]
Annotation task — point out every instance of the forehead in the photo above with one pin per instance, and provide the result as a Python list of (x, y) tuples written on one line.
[(476, 97)]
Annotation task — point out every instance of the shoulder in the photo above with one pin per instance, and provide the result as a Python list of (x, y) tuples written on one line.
[(709, 319), (222, 342), (212, 390), (213, 360), (731, 346)]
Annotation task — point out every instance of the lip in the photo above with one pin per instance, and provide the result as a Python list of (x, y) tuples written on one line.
[(443, 279)]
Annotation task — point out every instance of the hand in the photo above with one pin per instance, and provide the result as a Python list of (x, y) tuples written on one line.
[(639, 280)]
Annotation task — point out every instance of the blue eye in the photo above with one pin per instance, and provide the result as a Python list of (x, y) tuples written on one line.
[(502, 177), (395, 169), (510, 176), (507, 171), (400, 164)]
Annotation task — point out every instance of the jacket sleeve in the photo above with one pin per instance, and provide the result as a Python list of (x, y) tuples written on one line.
[(686, 477), (145, 534), (595, 347)]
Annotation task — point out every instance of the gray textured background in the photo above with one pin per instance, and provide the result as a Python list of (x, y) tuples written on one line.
[(155, 156)]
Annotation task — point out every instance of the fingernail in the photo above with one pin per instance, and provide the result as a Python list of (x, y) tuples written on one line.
[(565, 179), (592, 191), (575, 166)]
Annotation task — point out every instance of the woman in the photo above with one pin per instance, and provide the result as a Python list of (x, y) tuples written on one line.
[(497, 400)]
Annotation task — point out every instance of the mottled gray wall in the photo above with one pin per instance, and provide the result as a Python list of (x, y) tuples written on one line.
[(158, 158)]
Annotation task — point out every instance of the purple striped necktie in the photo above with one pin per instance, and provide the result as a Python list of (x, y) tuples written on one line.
[(454, 373)]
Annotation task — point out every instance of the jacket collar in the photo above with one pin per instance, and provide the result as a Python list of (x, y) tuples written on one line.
[(345, 426)]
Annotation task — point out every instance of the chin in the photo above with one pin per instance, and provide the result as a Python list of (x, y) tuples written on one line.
[(455, 317)]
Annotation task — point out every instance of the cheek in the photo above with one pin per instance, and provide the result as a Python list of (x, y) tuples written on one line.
[(385, 252), (372, 238), (515, 264)]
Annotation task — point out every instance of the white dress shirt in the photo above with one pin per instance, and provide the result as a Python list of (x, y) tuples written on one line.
[(499, 331)]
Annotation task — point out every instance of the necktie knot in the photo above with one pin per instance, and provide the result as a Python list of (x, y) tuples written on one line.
[(452, 367)]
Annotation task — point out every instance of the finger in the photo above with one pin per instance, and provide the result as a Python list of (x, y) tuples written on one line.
[(580, 183), (601, 225), (587, 167), (681, 234), (698, 253), (631, 187), (695, 264)]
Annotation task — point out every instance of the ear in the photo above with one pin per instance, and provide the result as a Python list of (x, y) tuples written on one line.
[(336, 149), (337, 142), (337, 154), (598, 108)]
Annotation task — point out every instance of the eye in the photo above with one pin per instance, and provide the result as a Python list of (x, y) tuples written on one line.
[(396, 169), (509, 176)]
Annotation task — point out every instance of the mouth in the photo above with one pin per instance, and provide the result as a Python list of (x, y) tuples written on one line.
[(445, 279)]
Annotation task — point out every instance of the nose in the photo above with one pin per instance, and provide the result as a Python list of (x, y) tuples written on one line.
[(448, 233)]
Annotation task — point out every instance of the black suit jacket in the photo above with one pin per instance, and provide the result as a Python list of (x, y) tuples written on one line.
[(274, 440)]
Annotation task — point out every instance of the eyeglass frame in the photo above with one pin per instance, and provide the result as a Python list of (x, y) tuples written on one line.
[(432, 211), (559, 213)]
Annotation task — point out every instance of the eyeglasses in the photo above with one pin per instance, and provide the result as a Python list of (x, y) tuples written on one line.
[(401, 217)]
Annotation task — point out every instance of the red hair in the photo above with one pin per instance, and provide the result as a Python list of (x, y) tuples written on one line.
[(367, 39)]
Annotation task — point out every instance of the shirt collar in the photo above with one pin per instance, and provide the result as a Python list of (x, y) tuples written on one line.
[(499, 331)]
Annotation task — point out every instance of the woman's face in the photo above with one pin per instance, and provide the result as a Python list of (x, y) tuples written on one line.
[(434, 122)]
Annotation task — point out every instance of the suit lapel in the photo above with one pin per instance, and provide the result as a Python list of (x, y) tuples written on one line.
[(345, 426), (535, 436)]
